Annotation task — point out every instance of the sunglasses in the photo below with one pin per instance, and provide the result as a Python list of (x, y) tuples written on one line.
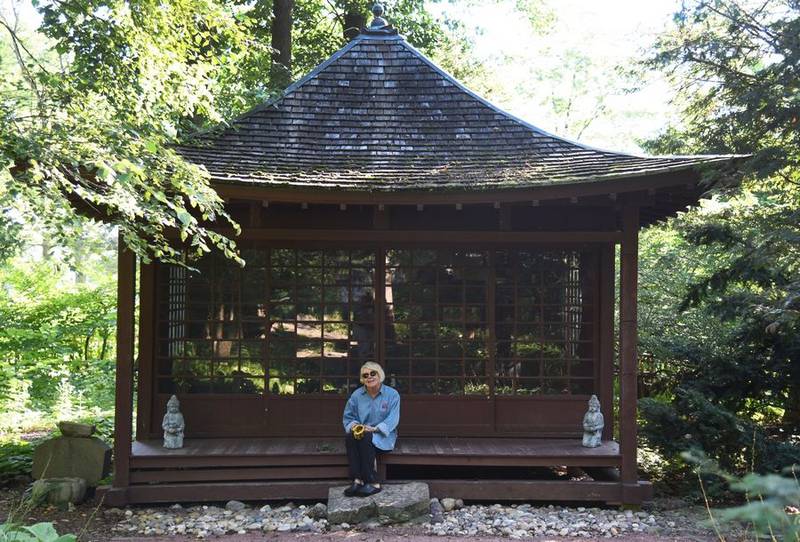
[(369, 374)]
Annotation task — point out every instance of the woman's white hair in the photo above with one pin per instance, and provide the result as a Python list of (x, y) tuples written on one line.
[(371, 366)]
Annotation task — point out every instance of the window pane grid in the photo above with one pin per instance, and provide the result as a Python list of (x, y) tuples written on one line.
[(544, 324), (438, 326), (213, 343), (299, 321), (321, 312)]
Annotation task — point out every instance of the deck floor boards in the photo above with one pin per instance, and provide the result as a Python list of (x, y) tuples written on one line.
[(417, 446)]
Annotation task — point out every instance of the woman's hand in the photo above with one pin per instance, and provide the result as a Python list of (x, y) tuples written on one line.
[(370, 429)]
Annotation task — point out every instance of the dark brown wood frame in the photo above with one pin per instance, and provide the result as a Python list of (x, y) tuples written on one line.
[(128, 480)]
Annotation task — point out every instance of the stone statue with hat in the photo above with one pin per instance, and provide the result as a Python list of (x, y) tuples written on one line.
[(593, 424), (173, 424)]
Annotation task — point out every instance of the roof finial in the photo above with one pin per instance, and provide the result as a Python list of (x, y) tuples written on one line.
[(379, 24), (377, 12)]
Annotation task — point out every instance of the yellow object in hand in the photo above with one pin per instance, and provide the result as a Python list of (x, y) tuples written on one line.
[(358, 431)]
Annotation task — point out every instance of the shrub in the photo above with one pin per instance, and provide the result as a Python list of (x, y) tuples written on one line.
[(691, 421), (16, 458), (41, 532)]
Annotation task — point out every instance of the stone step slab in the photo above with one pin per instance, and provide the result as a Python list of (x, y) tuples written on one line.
[(396, 503)]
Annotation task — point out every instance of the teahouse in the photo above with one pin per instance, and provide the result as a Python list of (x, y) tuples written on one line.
[(390, 214)]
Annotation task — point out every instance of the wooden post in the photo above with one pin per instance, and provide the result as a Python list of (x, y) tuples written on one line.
[(605, 341), (629, 256), (146, 382), (123, 409)]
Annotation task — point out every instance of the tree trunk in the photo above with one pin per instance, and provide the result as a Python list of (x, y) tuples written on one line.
[(791, 415), (353, 22), (282, 41)]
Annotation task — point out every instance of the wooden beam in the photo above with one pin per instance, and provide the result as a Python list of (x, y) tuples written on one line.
[(380, 218), (519, 490), (123, 408), (555, 459), (504, 218), (254, 217), (427, 236), (233, 461), (527, 490), (207, 492), (680, 180), (247, 473), (628, 341)]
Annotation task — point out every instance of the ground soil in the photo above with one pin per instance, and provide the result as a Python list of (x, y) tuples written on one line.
[(90, 522)]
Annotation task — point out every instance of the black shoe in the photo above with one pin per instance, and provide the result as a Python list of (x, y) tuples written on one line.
[(367, 490), (352, 490)]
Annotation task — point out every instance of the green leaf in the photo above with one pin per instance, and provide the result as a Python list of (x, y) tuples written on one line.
[(44, 532)]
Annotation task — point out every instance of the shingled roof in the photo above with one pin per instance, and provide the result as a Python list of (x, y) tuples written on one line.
[(379, 116)]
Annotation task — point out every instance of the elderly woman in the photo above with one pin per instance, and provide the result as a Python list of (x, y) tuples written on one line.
[(376, 407)]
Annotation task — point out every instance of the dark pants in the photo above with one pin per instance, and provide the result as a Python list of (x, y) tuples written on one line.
[(361, 457)]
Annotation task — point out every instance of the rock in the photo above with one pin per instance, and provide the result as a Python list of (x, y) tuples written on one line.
[(176, 506), (342, 509), (397, 503), (72, 457), (75, 429), (403, 502), (448, 504), (235, 506), (318, 511), (59, 491), (437, 511), (459, 504)]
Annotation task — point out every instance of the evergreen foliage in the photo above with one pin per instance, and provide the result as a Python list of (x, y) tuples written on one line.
[(726, 372)]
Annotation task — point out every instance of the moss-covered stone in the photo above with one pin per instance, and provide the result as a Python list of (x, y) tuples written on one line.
[(82, 457)]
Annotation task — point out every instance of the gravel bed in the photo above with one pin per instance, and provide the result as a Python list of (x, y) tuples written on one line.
[(525, 520), (204, 520), (450, 518)]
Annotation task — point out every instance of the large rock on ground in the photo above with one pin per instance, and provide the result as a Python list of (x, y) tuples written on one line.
[(396, 503), (59, 491), (72, 457)]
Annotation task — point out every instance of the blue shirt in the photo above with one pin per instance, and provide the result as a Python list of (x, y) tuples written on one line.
[(381, 412)]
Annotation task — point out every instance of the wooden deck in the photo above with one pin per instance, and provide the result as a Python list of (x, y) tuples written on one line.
[(304, 468), (409, 451)]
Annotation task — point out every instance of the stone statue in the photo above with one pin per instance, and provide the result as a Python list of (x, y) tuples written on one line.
[(593, 424), (173, 424)]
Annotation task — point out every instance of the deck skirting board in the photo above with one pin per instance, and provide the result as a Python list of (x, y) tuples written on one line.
[(499, 490), (232, 474)]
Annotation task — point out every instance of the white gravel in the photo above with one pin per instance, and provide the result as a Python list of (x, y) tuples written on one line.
[(525, 520), (513, 521)]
